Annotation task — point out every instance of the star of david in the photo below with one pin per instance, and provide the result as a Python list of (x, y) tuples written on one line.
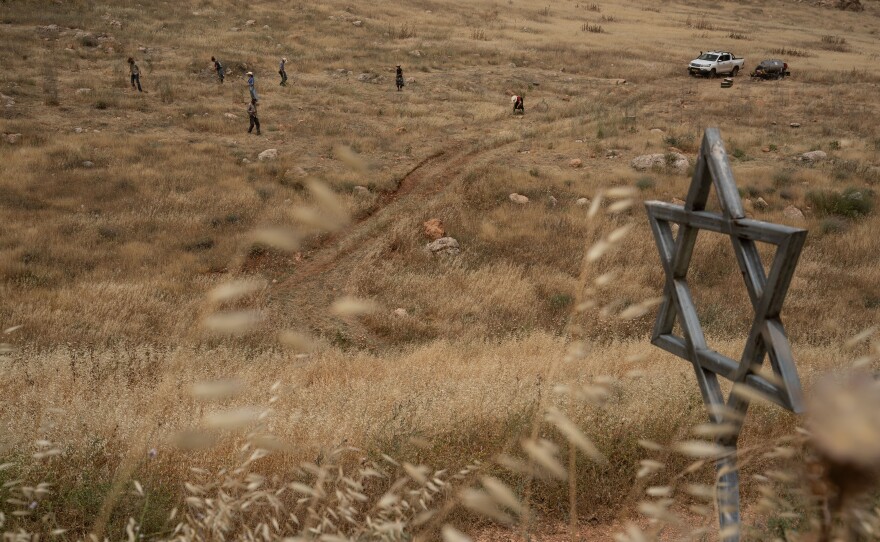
[(766, 290)]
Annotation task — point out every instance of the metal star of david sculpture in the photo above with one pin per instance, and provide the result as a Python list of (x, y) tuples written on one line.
[(766, 290)]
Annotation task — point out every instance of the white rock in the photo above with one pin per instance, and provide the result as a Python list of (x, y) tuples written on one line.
[(268, 154), (657, 131), (78, 130), (12, 139), (358, 23), (793, 213), (814, 156), (582, 201), (361, 190), (230, 115), (679, 163), (250, 22), (415, 52), (88, 163), (518, 198), (82, 91), (444, 245), (400, 311)]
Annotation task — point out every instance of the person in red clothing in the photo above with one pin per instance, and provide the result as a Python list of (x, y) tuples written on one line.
[(517, 104)]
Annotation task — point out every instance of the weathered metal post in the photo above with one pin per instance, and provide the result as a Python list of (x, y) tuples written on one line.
[(767, 290)]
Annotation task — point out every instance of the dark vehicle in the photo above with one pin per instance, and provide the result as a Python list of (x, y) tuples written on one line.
[(771, 69)]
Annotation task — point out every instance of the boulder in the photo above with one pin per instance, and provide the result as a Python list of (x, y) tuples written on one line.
[(358, 190), (88, 163), (657, 131), (814, 156), (518, 199), (434, 229), (675, 161), (268, 154), (12, 139), (582, 201), (793, 213), (444, 246), (368, 78), (250, 22), (575, 163), (761, 204), (552, 201), (795, 124), (400, 311), (232, 116), (358, 23), (415, 53), (8, 101)]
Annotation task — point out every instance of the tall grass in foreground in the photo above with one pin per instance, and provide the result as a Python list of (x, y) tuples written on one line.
[(345, 493)]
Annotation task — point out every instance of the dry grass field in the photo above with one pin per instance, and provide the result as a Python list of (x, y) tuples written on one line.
[(171, 302)]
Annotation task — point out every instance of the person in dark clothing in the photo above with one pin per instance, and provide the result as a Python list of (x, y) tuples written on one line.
[(252, 113), (518, 106), (282, 72), (135, 74), (399, 79), (219, 68)]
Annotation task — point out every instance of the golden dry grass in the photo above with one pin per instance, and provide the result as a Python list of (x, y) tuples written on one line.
[(106, 268)]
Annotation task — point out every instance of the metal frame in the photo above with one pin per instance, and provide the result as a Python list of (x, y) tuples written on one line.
[(766, 290)]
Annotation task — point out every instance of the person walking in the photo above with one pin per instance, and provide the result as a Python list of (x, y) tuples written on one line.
[(250, 82), (252, 114), (219, 68), (282, 72), (399, 79), (135, 74)]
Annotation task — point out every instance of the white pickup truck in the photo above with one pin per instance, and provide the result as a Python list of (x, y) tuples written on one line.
[(714, 63)]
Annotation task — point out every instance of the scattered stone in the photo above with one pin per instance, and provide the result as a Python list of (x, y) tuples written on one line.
[(657, 131), (518, 198), (12, 139), (575, 163), (230, 115), (814, 156), (8, 101), (620, 81), (765, 149), (400, 312), (677, 201), (793, 213), (235, 29), (78, 130), (265, 27), (250, 22), (552, 201), (677, 162), (358, 190), (268, 154), (761, 204), (410, 79), (88, 163), (612, 153), (434, 229), (444, 246), (415, 52), (82, 91), (582, 201), (795, 124), (358, 23), (245, 161), (368, 78)]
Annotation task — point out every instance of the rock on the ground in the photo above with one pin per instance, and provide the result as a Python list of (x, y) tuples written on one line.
[(518, 198), (575, 163), (81, 91), (358, 23), (793, 213), (677, 201), (814, 156), (78, 130), (552, 201), (444, 245), (12, 139), (230, 115), (657, 131), (88, 163), (8, 101), (359, 190), (268, 154), (250, 22), (400, 311), (434, 229), (582, 201), (368, 78), (679, 162), (761, 204), (415, 52), (795, 124)]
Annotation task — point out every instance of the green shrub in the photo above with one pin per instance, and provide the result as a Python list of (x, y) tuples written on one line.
[(645, 183), (852, 202)]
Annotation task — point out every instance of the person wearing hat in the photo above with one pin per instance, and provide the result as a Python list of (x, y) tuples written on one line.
[(517, 104), (399, 78), (250, 82), (282, 72), (252, 114), (219, 68), (135, 74)]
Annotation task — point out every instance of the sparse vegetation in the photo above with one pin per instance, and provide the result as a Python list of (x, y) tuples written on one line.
[(594, 28), (850, 203)]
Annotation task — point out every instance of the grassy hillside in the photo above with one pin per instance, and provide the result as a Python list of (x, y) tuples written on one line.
[(122, 211)]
